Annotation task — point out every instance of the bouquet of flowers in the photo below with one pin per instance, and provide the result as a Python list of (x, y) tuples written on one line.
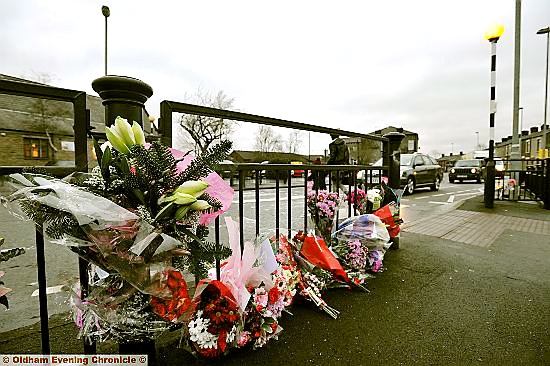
[(322, 206), (140, 218), (360, 243), (312, 279), (215, 324), (263, 289), (6, 254)]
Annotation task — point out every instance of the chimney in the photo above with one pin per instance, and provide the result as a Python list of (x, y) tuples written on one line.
[(534, 129)]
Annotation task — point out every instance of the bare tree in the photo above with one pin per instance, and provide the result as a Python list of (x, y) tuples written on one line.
[(47, 113), (293, 142), (267, 140), (203, 131)]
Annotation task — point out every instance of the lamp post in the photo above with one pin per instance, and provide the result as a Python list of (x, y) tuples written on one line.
[(492, 35), (544, 128), (106, 12), (477, 141)]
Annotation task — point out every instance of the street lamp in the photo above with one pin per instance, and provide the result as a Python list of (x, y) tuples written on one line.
[(106, 12), (492, 35), (547, 32), (477, 140)]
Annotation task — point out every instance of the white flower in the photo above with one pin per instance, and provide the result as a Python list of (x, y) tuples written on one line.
[(198, 332)]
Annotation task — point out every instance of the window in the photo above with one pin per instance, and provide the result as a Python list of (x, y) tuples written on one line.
[(35, 148)]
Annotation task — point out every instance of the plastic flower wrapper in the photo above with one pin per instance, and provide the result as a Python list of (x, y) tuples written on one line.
[(354, 257), (6, 254), (214, 325), (249, 268), (316, 251), (138, 218), (270, 298), (116, 310), (368, 229)]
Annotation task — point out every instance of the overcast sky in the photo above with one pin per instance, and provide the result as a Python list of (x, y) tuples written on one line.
[(422, 65)]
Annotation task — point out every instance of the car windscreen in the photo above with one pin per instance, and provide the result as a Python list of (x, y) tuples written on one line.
[(406, 159), (468, 163)]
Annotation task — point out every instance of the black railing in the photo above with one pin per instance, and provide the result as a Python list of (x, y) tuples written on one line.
[(80, 127), (390, 148), (253, 179), (523, 180)]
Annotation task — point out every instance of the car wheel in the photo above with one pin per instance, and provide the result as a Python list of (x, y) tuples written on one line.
[(437, 183), (409, 187), (451, 180)]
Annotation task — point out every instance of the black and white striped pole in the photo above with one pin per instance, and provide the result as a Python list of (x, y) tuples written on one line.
[(492, 35)]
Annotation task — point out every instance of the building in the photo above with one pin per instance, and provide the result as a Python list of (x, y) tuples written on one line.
[(530, 144), (36, 132), (365, 151)]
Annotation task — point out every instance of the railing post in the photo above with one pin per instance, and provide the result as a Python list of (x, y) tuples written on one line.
[(123, 96), (392, 158)]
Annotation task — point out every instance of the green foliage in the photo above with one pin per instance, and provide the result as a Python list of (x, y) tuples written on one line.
[(202, 254), (56, 223), (202, 165)]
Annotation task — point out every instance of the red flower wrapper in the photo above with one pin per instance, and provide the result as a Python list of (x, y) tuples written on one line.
[(387, 216), (316, 251), (309, 280)]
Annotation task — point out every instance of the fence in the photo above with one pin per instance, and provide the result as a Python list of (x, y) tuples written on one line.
[(523, 180), (246, 172), (81, 124)]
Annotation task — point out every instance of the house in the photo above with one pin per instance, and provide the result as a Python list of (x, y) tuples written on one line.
[(367, 151), (36, 132), (243, 156), (530, 141)]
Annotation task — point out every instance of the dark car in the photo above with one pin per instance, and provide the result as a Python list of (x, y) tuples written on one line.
[(420, 170), (473, 169)]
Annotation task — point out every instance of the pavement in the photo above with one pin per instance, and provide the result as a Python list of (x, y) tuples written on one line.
[(467, 286)]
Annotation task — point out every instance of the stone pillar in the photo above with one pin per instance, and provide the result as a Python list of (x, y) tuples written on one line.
[(123, 96)]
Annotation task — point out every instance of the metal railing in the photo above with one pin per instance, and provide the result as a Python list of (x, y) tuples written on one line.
[(80, 127), (246, 173), (524, 180), (253, 178), (391, 164)]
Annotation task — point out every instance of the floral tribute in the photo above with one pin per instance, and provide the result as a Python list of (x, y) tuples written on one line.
[(140, 219), (322, 206)]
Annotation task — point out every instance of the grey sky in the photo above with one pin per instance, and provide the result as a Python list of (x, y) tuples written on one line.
[(356, 65)]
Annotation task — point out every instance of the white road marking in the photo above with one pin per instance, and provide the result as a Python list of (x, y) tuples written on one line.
[(50, 290), (451, 198)]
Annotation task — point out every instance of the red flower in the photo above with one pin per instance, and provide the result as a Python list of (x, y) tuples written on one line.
[(177, 300), (273, 295)]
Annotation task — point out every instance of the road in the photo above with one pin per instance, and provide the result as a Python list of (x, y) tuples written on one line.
[(424, 201), (62, 264)]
